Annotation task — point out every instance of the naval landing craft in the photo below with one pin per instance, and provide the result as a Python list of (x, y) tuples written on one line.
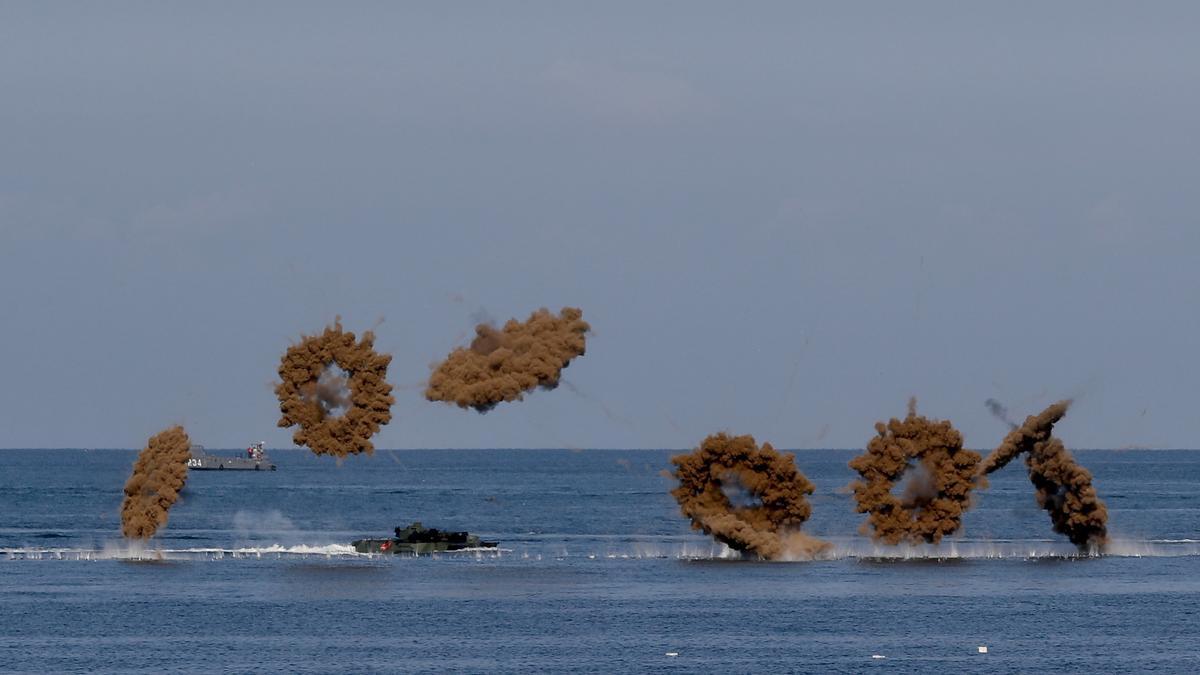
[(255, 460)]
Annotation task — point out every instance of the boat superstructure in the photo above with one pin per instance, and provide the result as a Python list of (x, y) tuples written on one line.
[(255, 460)]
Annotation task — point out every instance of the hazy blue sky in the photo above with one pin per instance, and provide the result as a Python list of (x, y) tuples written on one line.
[(781, 219)]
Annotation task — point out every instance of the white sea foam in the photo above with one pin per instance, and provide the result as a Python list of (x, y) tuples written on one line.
[(1009, 550), (138, 551), (861, 549), (849, 548)]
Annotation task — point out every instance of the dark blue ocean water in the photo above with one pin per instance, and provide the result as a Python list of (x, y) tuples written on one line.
[(596, 572)]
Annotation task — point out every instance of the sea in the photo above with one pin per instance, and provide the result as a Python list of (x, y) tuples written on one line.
[(596, 571)]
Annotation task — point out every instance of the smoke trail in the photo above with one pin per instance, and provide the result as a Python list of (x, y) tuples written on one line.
[(769, 489), (311, 391), (1000, 412), (158, 475), (932, 503), (1063, 487), (501, 365)]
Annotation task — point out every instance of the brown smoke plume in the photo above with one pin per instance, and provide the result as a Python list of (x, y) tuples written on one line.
[(501, 365), (932, 503), (769, 528), (1063, 487), (311, 390), (158, 475)]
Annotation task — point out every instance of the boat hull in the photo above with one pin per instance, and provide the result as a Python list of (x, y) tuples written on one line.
[(200, 460), (214, 463)]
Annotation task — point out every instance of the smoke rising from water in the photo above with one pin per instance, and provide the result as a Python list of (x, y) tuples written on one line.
[(159, 473), (1063, 487), (311, 390), (501, 365), (770, 491), (932, 503)]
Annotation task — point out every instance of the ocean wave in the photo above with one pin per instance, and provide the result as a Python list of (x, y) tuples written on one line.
[(867, 551), (138, 552), (132, 551), (844, 549)]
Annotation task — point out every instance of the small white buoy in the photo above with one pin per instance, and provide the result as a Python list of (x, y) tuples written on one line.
[(672, 653), (878, 656), (982, 649)]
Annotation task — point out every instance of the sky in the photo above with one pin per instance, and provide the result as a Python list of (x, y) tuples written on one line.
[(780, 219)]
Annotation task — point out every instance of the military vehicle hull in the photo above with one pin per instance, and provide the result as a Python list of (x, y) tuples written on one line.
[(418, 540), (395, 547)]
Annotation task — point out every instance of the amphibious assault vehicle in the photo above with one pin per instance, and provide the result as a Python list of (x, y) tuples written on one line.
[(255, 460), (417, 540)]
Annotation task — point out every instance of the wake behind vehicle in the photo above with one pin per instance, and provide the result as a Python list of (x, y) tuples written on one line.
[(419, 540), (255, 460)]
